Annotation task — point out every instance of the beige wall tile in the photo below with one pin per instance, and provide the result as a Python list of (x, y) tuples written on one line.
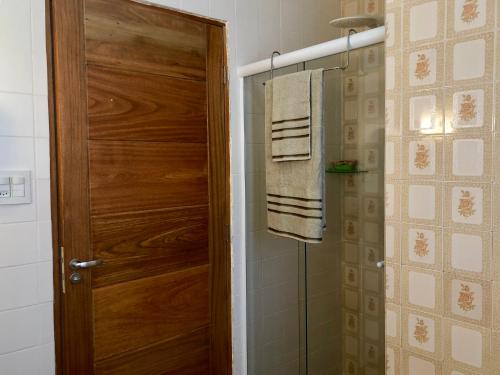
[(351, 299), (444, 93), (371, 255), (468, 17), (468, 156), (470, 59), (468, 253), (423, 157), (467, 345), (393, 242), (351, 322), (469, 109), (351, 276), (393, 360), (352, 366), (351, 252), (392, 28), (423, 112), (392, 200), (392, 115), (422, 333), (422, 289), (496, 304), (468, 205), (422, 202), (468, 299), (422, 246), (416, 364), (373, 305), (393, 283), (350, 8), (422, 22), (423, 67), (393, 324), (393, 157), (392, 73), (453, 369)]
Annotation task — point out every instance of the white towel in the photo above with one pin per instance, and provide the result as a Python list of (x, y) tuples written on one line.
[(291, 117), (295, 189)]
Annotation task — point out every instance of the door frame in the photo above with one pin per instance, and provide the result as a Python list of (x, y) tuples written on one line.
[(220, 261)]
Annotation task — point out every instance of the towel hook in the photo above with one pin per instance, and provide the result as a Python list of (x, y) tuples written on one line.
[(272, 62), (344, 67)]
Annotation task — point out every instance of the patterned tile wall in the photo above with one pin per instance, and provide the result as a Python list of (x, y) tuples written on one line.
[(442, 188)]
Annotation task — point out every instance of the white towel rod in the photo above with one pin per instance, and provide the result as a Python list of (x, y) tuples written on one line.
[(332, 47)]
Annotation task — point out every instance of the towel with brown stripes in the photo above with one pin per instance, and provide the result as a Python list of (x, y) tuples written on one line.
[(291, 116), (295, 189)]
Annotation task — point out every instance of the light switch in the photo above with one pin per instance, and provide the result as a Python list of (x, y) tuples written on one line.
[(15, 187), (4, 187), (18, 186)]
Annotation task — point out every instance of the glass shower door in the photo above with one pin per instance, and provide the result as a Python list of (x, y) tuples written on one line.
[(344, 286)]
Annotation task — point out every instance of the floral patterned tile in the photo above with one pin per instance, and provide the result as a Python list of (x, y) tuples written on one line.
[(422, 246), (468, 205), (469, 109), (423, 67), (422, 333), (468, 299), (423, 157), (470, 16)]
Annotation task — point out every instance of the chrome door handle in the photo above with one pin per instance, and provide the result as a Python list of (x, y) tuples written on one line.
[(381, 264), (76, 264)]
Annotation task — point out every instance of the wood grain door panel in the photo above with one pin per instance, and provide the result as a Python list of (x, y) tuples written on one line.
[(140, 38), (143, 312), (138, 176), (145, 107), (143, 185), (189, 355), (140, 244)]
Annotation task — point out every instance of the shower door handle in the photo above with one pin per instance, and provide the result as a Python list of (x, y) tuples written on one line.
[(381, 264)]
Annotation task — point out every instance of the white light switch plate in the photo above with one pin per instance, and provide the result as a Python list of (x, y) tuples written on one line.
[(15, 187)]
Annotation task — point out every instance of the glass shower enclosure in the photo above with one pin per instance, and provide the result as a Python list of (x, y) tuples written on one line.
[(318, 309)]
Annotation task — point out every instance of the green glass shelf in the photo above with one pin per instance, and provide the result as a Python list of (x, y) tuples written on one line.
[(331, 171)]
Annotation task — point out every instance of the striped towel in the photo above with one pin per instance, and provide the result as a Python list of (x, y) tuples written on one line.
[(291, 116), (295, 189)]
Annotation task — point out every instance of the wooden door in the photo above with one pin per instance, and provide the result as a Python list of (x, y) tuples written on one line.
[(140, 138)]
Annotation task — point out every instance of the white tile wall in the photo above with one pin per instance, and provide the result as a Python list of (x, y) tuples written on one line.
[(26, 333), (256, 28)]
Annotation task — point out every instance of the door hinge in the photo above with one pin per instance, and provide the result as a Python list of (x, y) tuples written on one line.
[(63, 273), (226, 76)]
